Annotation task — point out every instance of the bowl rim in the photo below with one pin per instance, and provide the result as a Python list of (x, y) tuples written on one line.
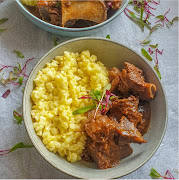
[(29, 132), (72, 29)]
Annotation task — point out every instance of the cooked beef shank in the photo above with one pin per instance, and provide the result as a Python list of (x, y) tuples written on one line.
[(132, 79)]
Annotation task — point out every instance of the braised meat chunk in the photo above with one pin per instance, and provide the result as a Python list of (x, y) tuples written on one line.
[(128, 133), (144, 109), (101, 128), (114, 74), (50, 11), (107, 155), (126, 107), (132, 79)]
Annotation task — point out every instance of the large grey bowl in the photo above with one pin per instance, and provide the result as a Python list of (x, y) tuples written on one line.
[(69, 31), (111, 54)]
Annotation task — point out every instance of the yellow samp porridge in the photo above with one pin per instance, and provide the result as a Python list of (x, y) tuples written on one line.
[(58, 88)]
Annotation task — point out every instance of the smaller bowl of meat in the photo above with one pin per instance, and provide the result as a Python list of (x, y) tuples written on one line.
[(110, 104), (71, 18)]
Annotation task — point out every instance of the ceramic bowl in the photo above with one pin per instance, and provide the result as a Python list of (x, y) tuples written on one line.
[(69, 31), (111, 54)]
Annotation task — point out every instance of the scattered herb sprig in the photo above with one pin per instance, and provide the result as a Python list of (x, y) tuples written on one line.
[(18, 53), (16, 75), (55, 41), (17, 146), (18, 117), (143, 11), (99, 99), (155, 175), (3, 20), (108, 37)]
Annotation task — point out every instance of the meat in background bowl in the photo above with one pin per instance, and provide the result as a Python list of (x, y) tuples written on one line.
[(110, 54), (64, 31)]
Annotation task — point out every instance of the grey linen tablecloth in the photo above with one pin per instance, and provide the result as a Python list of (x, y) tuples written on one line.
[(24, 36)]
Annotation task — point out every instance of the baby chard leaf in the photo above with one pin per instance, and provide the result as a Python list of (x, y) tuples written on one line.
[(21, 80), (157, 71), (174, 19), (108, 36), (2, 30), (161, 17), (107, 87), (154, 174), (55, 41), (146, 55), (20, 145), (84, 109), (95, 94), (154, 46), (17, 117), (18, 53), (3, 20)]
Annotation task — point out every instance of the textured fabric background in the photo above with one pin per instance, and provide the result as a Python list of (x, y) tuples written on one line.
[(24, 36)]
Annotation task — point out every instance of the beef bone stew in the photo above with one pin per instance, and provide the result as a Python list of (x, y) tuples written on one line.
[(67, 13), (125, 121)]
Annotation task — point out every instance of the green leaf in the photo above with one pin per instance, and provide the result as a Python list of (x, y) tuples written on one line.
[(95, 94), (2, 30), (146, 40), (18, 53), (107, 87), (84, 109), (155, 28), (55, 41), (160, 17), (174, 19), (19, 66), (157, 71), (23, 89), (131, 2), (146, 55), (21, 80), (20, 145), (17, 117), (108, 36), (132, 14), (154, 174), (3, 20), (154, 46)]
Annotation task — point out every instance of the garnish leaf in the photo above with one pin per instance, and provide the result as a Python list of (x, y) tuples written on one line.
[(84, 109), (55, 41), (146, 40), (11, 75), (108, 36), (146, 55), (21, 80), (17, 117), (2, 30), (154, 174), (95, 94), (155, 27), (154, 46), (20, 145), (157, 71), (18, 53), (6, 93), (3, 20), (107, 87), (160, 17), (174, 19)]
